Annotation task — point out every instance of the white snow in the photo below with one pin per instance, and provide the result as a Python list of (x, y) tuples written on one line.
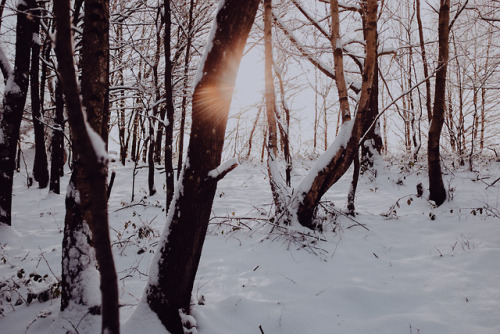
[(98, 144), (214, 173), (408, 273)]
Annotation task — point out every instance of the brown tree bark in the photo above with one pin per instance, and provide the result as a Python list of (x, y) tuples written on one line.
[(339, 62), (312, 188), (176, 260), (424, 62), (272, 139), (436, 185), (13, 105), (90, 169)]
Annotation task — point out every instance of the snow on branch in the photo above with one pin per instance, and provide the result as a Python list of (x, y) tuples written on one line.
[(222, 170)]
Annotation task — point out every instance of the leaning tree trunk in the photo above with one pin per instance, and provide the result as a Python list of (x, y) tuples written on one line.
[(339, 156), (176, 260), (436, 185), (13, 105), (87, 195)]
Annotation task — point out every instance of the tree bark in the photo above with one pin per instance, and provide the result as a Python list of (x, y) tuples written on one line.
[(90, 169), (40, 165), (13, 106), (169, 129), (424, 62), (185, 89), (436, 185), (342, 153), (275, 180), (176, 260), (57, 156), (339, 62)]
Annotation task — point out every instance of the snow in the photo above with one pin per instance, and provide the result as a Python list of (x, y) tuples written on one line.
[(417, 269), (223, 167), (5, 62), (98, 145)]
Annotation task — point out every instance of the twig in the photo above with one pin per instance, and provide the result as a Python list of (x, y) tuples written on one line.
[(129, 206), (491, 185), (111, 181), (47, 262)]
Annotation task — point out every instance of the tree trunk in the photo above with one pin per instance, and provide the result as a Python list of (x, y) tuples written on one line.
[(185, 89), (40, 165), (90, 169), (272, 141), (436, 185), (341, 153), (424, 62), (176, 260), (169, 129), (13, 106), (57, 156)]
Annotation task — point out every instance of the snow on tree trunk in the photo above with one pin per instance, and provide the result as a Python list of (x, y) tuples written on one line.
[(173, 268), (13, 105), (339, 156), (90, 172)]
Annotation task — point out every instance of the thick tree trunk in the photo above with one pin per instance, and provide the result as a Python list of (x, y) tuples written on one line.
[(90, 169), (436, 185), (13, 106), (176, 260)]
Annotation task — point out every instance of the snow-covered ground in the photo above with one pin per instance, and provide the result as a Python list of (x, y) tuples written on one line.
[(400, 266)]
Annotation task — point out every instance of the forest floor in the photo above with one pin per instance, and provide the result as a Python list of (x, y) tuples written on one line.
[(400, 266)]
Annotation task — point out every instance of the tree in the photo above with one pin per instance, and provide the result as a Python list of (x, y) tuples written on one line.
[(436, 185), (16, 89), (174, 266), (86, 202), (40, 165), (169, 95)]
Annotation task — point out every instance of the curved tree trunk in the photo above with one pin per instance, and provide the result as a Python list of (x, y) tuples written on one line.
[(176, 260), (436, 185), (339, 156)]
